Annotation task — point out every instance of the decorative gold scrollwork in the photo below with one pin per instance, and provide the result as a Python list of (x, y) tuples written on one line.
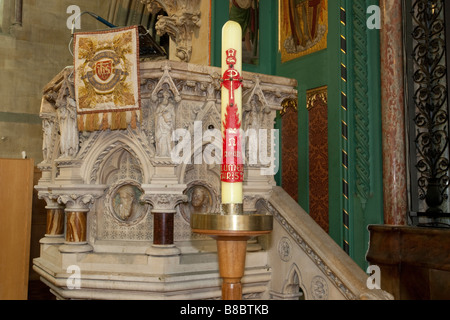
[(288, 103)]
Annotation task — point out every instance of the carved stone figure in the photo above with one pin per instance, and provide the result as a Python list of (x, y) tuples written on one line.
[(182, 20), (47, 129), (125, 207), (67, 116), (165, 124), (252, 116), (126, 204), (200, 200)]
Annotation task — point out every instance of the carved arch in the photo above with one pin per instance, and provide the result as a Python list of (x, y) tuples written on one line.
[(256, 91), (209, 116), (107, 144), (121, 163), (166, 83), (293, 287)]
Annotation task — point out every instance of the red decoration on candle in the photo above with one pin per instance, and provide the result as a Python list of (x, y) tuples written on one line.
[(232, 165)]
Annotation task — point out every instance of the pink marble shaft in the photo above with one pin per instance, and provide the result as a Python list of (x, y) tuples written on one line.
[(392, 109)]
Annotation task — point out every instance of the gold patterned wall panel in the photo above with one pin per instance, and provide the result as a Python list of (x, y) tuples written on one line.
[(318, 155), (303, 27), (289, 148)]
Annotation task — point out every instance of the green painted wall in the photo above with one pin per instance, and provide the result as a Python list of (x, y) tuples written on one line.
[(267, 41), (366, 142), (312, 71), (364, 200)]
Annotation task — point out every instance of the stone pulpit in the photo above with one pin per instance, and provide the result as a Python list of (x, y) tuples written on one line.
[(120, 189)]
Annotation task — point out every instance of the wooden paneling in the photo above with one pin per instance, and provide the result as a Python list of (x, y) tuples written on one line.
[(414, 262), (16, 192)]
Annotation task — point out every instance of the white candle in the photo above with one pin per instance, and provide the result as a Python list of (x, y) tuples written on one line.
[(232, 167)]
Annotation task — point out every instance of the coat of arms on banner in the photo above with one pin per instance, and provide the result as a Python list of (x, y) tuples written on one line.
[(107, 79)]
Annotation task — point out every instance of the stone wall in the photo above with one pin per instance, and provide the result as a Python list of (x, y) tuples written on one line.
[(34, 51), (31, 54)]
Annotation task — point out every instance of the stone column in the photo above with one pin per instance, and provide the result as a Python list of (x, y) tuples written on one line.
[(393, 113), (163, 227), (77, 208), (163, 210), (54, 233), (164, 193)]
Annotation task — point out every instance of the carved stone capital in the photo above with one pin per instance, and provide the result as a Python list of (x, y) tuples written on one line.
[(182, 21), (77, 202), (164, 203), (50, 199)]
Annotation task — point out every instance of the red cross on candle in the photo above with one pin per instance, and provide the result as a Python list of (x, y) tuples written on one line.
[(231, 79), (232, 169)]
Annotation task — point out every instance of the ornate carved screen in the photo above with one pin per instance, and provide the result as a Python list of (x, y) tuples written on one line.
[(428, 110)]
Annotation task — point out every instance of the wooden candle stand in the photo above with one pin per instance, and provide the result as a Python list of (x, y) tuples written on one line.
[(231, 227), (231, 233)]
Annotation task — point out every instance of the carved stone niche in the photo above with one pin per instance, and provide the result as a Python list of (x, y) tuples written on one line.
[(182, 21)]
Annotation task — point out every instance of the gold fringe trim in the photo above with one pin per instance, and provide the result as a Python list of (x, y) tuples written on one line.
[(113, 120), (80, 121), (91, 122), (105, 122), (133, 120)]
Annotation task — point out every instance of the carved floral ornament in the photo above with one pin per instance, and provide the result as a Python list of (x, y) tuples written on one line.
[(318, 94), (182, 21), (289, 103)]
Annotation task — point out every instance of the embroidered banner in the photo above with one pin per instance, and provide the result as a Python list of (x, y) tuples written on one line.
[(107, 79)]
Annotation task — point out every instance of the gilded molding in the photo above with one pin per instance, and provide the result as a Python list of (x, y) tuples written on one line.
[(288, 103), (317, 94)]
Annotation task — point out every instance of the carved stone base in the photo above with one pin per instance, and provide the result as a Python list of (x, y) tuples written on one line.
[(69, 171), (51, 239), (163, 250), (80, 247)]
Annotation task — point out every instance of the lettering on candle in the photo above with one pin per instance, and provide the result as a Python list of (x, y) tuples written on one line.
[(232, 169)]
